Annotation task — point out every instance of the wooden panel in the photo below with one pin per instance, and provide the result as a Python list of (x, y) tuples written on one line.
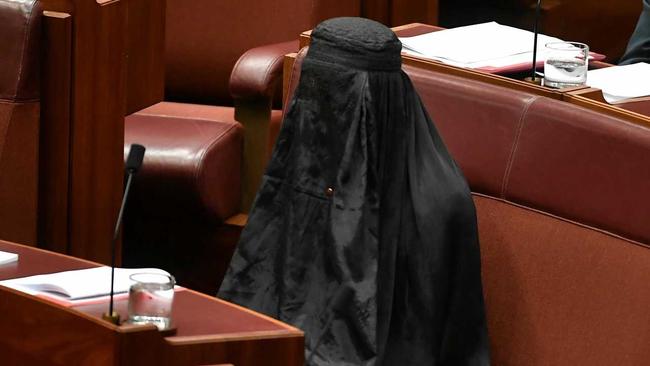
[(398, 12), (605, 26), (254, 351), (45, 334), (378, 10), (254, 116), (414, 11), (287, 67), (97, 138), (114, 69), (55, 131), (146, 49)]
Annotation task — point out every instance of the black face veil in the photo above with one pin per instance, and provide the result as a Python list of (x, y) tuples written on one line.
[(361, 192)]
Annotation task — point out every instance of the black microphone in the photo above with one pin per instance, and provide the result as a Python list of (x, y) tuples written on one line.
[(133, 163), (535, 32), (341, 299)]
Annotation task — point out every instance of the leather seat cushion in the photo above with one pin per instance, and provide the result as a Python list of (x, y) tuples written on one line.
[(196, 150)]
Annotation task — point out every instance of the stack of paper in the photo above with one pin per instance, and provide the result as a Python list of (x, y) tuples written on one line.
[(490, 45), (621, 83), (6, 257), (79, 284)]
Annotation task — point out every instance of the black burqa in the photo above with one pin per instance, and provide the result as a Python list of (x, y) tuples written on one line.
[(361, 191)]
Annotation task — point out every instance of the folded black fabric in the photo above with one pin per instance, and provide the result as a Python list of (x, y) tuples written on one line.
[(361, 192)]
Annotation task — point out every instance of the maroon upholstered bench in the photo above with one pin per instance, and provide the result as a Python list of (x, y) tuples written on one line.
[(564, 211)]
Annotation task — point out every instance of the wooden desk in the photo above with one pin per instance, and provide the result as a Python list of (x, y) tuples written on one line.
[(415, 29), (635, 112), (209, 330)]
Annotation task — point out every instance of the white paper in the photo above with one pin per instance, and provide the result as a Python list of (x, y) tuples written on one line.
[(6, 257), (480, 45), (620, 83), (79, 284)]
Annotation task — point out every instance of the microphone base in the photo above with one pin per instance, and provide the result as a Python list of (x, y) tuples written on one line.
[(536, 81), (112, 318)]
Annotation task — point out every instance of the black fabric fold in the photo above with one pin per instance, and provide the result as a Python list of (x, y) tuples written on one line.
[(362, 192)]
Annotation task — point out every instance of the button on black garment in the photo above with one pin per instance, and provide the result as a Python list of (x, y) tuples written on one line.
[(362, 192)]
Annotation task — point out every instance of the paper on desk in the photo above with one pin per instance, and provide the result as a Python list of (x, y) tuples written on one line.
[(79, 284), (476, 46), (621, 83), (6, 257)]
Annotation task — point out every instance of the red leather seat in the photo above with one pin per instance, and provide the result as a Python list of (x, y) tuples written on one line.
[(20, 27), (563, 207)]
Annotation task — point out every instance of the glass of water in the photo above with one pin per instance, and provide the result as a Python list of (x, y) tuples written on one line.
[(150, 299), (565, 64)]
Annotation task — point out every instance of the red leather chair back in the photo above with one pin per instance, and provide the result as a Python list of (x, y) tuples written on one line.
[(19, 118), (563, 207), (204, 38)]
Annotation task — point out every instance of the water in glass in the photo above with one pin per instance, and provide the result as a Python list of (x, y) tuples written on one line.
[(150, 299), (565, 64)]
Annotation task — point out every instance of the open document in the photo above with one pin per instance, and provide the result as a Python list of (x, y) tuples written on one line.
[(486, 45), (6, 257), (79, 284), (621, 83)]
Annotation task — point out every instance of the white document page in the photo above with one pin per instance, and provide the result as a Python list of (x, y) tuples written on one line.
[(6, 257), (621, 83), (79, 284), (480, 45)]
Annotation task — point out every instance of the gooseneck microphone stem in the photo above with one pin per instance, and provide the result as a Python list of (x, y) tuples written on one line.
[(133, 163), (116, 234), (535, 31)]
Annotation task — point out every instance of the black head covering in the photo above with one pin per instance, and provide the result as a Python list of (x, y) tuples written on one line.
[(361, 192)]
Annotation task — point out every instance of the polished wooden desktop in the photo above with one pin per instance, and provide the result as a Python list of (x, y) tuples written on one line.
[(635, 112), (209, 330)]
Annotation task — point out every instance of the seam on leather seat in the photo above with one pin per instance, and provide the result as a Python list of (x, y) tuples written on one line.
[(576, 223), (184, 117), (215, 141), (198, 168), (515, 145)]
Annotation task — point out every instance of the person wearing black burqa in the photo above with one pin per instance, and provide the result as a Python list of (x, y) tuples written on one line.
[(361, 192)]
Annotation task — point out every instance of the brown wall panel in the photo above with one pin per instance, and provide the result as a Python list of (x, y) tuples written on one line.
[(55, 131), (115, 66), (399, 12), (146, 50), (97, 138)]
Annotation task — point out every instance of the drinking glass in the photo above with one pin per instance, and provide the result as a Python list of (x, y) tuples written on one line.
[(565, 64), (150, 299)]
